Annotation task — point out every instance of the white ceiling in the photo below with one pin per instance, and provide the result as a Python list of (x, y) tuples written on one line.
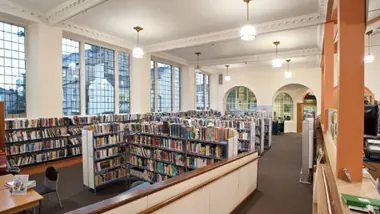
[(41, 6), (165, 20), (290, 40)]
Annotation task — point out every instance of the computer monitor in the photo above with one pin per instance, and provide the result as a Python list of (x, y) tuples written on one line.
[(371, 114)]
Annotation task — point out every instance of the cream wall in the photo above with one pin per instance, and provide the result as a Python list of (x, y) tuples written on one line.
[(266, 82)]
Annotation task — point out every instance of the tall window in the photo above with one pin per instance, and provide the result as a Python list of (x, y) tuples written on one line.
[(177, 89), (124, 83), (241, 99), (100, 80), (164, 87), (166, 94), (207, 91), (70, 77), (202, 95), (152, 86), (12, 69), (283, 106)]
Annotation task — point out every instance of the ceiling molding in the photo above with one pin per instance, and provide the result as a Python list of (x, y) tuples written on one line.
[(322, 8), (10, 8), (259, 57), (70, 9), (268, 27), (170, 58), (96, 35)]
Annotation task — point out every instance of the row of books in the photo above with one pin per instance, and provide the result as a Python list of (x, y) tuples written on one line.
[(169, 169), (17, 136), (214, 134), (202, 149), (244, 135), (74, 131), (158, 142), (99, 166), (234, 123), (160, 177), (74, 141), (35, 147), (142, 162), (141, 151), (110, 175), (75, 151), (197, 162), (37, 158), (104, 153), (244, 146), (109, 140), (106, 128), (172, 157)]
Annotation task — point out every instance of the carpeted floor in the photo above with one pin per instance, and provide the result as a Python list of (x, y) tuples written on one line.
[(72, 192), (279, 190)]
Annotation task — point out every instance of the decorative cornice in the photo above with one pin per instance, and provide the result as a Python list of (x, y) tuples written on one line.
[(69, 9), (10, 8), (171, 58), (97, 35), (322, 8), (268, 27), (259, 57)]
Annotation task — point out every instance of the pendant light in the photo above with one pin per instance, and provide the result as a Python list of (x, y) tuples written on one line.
[(248, 31), (288, 73), (277, 62), (227, 77), (369, 58), (138, 52), (198, 68)]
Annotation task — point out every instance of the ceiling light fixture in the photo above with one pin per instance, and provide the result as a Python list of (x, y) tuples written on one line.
[(369, 58), (198, 68), (227, 77), (248, 31), (277, 62), (288, 73), (138, 52)]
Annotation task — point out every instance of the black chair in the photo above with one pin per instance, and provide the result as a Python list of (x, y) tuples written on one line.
[(51, 175)]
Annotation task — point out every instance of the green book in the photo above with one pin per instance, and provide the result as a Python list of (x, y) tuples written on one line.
[(360, 202)]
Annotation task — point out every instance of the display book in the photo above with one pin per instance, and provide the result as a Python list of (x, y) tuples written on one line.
[(161, 150), (34, 141), (104, 150)]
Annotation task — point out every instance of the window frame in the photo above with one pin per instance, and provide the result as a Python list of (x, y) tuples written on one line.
[(79, 77), (118, 79), (25, 68), (205, 105), (155, 83), (115, 69), (246, 101)]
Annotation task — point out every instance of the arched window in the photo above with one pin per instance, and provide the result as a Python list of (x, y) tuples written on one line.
[(241, 99), (283, 106)]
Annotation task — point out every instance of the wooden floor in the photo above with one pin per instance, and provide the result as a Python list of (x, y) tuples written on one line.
[(39, 168)]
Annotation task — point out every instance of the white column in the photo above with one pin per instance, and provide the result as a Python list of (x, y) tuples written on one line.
[(188, 88), (44, 71), (140, 84), (214, 83)]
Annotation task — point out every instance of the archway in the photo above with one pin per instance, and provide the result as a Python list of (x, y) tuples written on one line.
[(239, 100), (299, 107)]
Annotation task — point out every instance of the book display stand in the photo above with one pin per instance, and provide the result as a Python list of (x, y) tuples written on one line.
[(104, 152)]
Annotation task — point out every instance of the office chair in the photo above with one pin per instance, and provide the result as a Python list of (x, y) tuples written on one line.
[(52, 175)]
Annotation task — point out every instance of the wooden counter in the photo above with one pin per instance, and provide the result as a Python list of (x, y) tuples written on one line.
[(366, 188)]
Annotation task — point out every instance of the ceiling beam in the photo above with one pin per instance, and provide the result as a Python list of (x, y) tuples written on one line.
[(259, 57), (263, 28), (70, 9), (373, 24)]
